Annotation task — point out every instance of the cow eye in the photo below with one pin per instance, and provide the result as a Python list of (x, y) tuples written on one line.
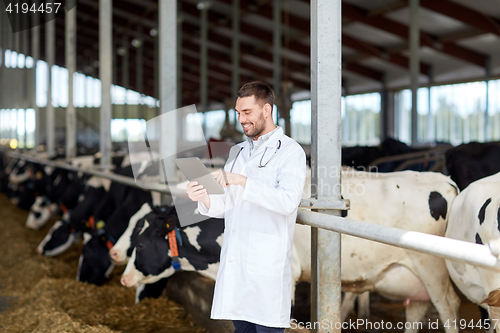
[(140, 246)]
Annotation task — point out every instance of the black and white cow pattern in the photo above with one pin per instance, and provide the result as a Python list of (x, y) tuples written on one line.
[(475, 218), (95, 264), (199, 248)]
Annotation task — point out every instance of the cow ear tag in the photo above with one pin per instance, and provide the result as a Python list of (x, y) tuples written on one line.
[(100, 224), (168, 226)]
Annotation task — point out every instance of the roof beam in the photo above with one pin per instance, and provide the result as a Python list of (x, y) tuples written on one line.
[(387, 8), (364, 71), (464, 14), (402, 31), (375, 51)]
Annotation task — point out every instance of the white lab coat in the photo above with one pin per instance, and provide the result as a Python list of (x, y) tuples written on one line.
[(254, 277)]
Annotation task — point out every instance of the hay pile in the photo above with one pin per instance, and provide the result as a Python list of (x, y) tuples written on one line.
[(46, 297)]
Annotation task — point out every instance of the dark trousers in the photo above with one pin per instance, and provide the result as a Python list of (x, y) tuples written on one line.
[(246, 327)]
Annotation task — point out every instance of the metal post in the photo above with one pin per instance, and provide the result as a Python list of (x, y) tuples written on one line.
[(155, 60), (277, 32), (326, 77), (487, 127), (168, 80), (430, 121), (70, 44), (2, 41), (17, 36), (180, 19), (26, 102), (235, 81), (384, 111), (414, 66), (35, 53), (125, 69), (139, 71), (105, 75), (50, 54), (203, 6), (2, 66)]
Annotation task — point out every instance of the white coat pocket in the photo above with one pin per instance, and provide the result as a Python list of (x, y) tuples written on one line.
[(266, 254)]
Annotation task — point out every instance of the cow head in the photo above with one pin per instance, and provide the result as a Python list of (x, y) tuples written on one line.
[(120, 253), (150, 260), (94, 265), (59, 239), (40, 212)]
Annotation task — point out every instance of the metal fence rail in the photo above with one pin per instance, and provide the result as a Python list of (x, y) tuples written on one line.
[(158, 187), (474, 254)]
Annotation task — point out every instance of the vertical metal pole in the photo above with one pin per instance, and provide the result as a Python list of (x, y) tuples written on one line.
[(155, 61), (277, 32), (384, 111), (235, 81), (2, 66), (168, 80), (487, 127), (414, 66), (17, 37), (139, 71), (35, 53), (125, 74), (70, 49), (326, 78), (26, 102), (345, 119), (2, 40), (50, 53), (430, 120), (204, 58), (180, 19), (105, 74)]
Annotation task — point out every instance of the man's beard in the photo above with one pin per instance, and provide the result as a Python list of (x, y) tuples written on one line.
[(257, 127)]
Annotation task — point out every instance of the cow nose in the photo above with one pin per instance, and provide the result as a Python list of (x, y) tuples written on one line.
[(39, 251), (37, 215), (123, 281), (113, 254)]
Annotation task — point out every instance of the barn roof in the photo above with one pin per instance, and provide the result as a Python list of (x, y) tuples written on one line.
[(459, 40)]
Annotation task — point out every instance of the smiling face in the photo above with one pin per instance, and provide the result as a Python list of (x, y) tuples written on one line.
[(255, 119)]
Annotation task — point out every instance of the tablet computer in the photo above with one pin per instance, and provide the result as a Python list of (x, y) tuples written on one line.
[(194, 170)]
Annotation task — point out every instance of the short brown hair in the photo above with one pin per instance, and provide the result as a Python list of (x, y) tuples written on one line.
[(262, 92)]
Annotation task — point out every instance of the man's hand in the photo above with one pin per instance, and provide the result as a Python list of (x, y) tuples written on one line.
[(197, 192), (228, 178)]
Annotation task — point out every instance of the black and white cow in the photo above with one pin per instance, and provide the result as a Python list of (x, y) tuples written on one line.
[(475, 218), (362, 157), (198, 247), (62, 187), (407, 200), (65, 232), (472, 161), (95, 264)]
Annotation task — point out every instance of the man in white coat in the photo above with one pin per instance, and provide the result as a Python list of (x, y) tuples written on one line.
[(263, 181)]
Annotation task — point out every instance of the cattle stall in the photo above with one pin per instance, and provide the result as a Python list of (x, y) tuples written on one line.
[(67, 305)]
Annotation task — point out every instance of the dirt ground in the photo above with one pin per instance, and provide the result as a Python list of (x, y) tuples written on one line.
[(40, 294)]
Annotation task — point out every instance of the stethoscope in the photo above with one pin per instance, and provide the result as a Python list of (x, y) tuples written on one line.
[(260, 163)]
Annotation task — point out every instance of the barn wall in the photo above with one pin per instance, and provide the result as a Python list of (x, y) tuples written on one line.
[(88, 121), (12, 93)]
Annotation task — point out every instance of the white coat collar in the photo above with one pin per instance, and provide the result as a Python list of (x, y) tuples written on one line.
[(273, 140)]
